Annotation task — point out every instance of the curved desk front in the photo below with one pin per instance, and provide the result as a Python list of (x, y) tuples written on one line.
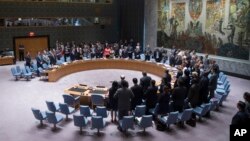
[(149, 67)]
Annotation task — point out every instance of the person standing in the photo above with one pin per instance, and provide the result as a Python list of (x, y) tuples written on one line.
[(124, 96), (21, 52), (145, 81), (113, 101), (212, 85), (151, 96), (28, 60), (241, 117), (138, 93)]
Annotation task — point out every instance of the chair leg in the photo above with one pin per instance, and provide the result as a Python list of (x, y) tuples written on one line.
[(81, 130), (67, 117), (41, 122), (144, 130), (54, 126)]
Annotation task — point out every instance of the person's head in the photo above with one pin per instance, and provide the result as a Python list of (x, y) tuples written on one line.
[(180, 81), (152, 82), (144, 73), (241, 106), (122, 77), (247, 96), (186, 72), (166, 71), (135, 81), (115, 84), (166, 89)]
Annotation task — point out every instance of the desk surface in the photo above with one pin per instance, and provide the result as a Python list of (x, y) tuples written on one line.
[(77, 66)]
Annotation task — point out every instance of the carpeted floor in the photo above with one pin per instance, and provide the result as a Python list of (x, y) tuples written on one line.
[(17, 122)]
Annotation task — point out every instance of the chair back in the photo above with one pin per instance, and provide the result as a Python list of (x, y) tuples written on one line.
[(101, 111), (64, 108), (97, 99), (186, 115), (214, 104), (18, 69), (97, 122), (51, 117), (51, 106), (205, 109), (34, 66), (37, 114), (127, 122), (156, 109), (68, 99), (28, 69), (146, 121), (24, 71), (45, 66), (140, 110), (85, 111), (172, 118), (79, 120), (13, 71)]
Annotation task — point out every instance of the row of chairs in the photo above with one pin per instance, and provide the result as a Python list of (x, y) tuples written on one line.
[(18, 73), (223, 88)]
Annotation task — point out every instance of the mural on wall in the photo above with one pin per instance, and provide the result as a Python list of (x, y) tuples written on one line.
[(163, 15), (219, 37)]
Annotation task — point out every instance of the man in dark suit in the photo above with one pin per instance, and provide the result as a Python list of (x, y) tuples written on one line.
[(167, 77), (204, 81), (151, 96), (241, 117), (138, 93), (123, 96), (212, 83), (194, 93), (145, 81), (178, 95), (157, 55)]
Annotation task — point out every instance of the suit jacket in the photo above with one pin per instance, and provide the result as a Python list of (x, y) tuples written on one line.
[(163, 101), (240, 118), (124, 97), (151, 97), (178, 96), (204, 89), (194, 95), (213, 82), (138, 93), (145, 82)]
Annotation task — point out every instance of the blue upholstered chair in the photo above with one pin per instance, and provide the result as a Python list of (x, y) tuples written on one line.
[(154, 111), (53, 118), (145, 121), (65, 109), (97, 123), (15, 73), (140, 110), (28, 70), (39, 115), (52, 107), (101, 111), (185, 115), (172, 118), (97, 100), (18, 69), (26, 74), (80, 121), (202, 110), (70, 100), (126, 123), (85, 111)]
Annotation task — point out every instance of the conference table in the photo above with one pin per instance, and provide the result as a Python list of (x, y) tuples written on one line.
[(60, 71), (85, 92), (7, 60)]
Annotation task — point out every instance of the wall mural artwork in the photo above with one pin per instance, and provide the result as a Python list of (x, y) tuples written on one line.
[(222, 35)]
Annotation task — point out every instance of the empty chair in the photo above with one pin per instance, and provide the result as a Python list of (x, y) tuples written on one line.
[(139, 110), (28, 70), (97, 100), (172, 118), (85, 111), (221, 98), (15, 73), (185, 115), (39, 115), (101, 111), (97, 123), (34, 67), (70, 100), (53, 118), (52, 107), (65, 109), (214, 104), (80, 121), (126, 123), (18, 69), (145, 121), (26, 74), (202, 111)]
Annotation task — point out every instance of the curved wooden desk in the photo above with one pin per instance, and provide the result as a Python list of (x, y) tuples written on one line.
[(149, 67)]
